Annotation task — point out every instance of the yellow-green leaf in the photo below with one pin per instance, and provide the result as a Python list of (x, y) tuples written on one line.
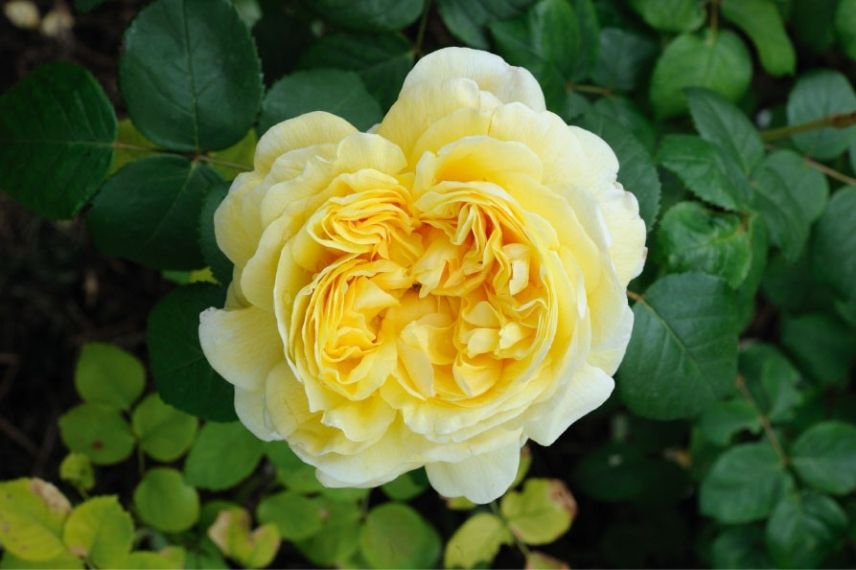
[(32, 514), (541, 513), (251, 548), (99, 531), (477, 541)]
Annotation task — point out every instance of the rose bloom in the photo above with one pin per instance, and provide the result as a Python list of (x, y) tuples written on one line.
[(433, 293)]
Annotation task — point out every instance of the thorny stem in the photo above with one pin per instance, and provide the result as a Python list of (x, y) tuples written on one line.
[(835, 121), (420, 33), (765, 421)]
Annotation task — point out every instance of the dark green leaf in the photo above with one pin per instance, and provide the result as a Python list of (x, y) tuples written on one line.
[(720, 63), (807, 186), (406, 486), (280, 36), (783, 214), (370, 14), (106, 374), (670, 15), (182, 374), (747, 291), (683, 351), (705, 169), (823, 346), (741, 547), (148, 212), (693, 238), (57, 129), (804, 529), (833, 249), (396, 536), (845, 27), (762, 23), (382, 60), (816, 95), (623, 60), (744, 484), (338, 539), (222, 456), (825, 457), (334, 91), (637, 173), (723, 124), (772, 380), (811, 21), (190, 74), (721, 421), (220, 265), (467, 20), (624, 112)]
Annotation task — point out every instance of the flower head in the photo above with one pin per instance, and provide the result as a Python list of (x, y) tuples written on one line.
[(434, 293)]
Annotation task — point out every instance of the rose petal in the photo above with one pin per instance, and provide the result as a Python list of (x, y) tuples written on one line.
[(481, 479)]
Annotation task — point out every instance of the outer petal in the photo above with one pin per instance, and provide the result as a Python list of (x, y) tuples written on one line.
[(627, 233), (490, 71), (480, 479), (308, 129), (242, 345), (250, 407), (587, 390)]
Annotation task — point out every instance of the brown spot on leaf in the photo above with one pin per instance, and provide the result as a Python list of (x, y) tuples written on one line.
[(52, 496), (560, 494)]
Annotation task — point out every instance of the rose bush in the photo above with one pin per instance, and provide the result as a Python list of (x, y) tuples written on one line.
[(432, 293)]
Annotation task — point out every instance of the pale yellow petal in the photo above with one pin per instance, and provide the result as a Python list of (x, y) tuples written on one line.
[(626, 231), (306, 130), (488, 70), (241, 345), (481, 479), (250, 408)]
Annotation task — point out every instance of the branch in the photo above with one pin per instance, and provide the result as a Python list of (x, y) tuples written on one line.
[(836, 121)]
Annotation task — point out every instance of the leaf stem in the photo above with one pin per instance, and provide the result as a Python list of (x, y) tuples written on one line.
[(594, 89), (521, 546), (221, 162), (820, 167), (420, 33), (714, 19), (835, 121), (765, 421), (634, 296)]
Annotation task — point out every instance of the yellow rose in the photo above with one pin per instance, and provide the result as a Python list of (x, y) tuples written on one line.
[(434, 293)]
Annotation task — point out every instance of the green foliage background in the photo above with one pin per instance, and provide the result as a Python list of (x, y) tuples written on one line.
[(731, 438)]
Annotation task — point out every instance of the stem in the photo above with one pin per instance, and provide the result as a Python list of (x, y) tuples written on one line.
[(127, 146), (765, 421), (836, 121), (221, 162), (634, 296), (420, 33), (521, 546), (849, 180), (594, 89), (714, 19)]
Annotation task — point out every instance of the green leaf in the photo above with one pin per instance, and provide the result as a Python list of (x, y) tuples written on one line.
[(804, 529), (32, 514), (99, 531), (683, 351), (833, 250), (291, 471), (220, 265), (130, 145), (637, 173), (747, 292), (772, 380), (721, 421), (280, 37), (741, 547), (190, 75), (670, 15), (718, 62), (744, 484), (825, 457), (370, 14), (467, 20), (107, 375), (57, 129), (623, 60), (706, 170), (396, 536), (339, 538), (76, 469), (845, 27), (147, 210), (822, 345), (539, 561), (99, 432), (182, 374), (163, 432), (723, 124), (382, 60), (761, 21), (816, 95), (541, 513), (693, 238), (476, 542), (334, 91), (165, 501), (232, 533), (807, 186), (64, 561), (297, 517), (774, 198), (238, 158), (811, 21), (146, 560), (624, 112), (223, 456), (407, 486)]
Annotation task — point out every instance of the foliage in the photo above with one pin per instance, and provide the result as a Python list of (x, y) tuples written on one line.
[(731, 438)]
